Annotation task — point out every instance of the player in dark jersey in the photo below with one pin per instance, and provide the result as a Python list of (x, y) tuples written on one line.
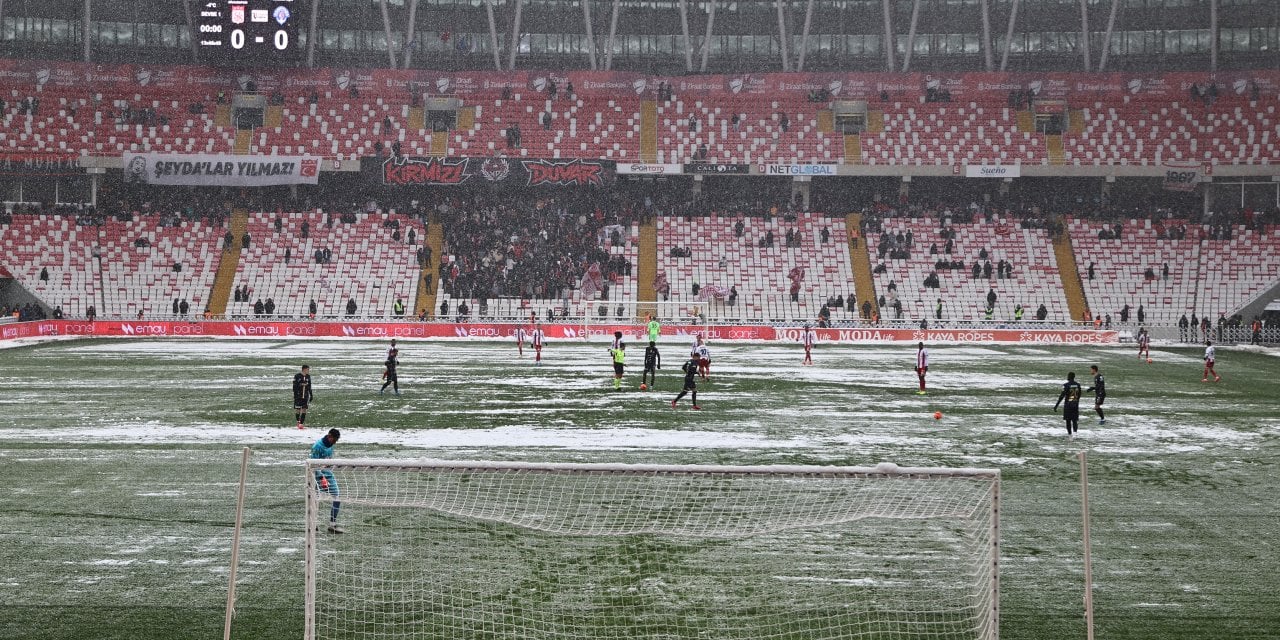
[(302, 395), (652, 362), (389, 373), (1099, 390), (690, 369), (1071, 410)]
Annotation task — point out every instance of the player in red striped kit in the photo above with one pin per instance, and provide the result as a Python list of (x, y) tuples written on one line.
[(1208, 363), (808, 338), (1144, 344), (537, 337), (521, 335), (922, 365)]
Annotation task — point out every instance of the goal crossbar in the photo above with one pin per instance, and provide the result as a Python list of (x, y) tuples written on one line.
[(485, 549)]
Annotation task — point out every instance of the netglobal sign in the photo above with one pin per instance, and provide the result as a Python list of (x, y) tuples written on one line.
[(993, 171)]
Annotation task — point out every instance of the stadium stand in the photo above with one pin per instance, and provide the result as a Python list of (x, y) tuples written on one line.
[(1234, 130), (1132, 130), (128, 279), (1033, 280), (1207, 277), (365, 263), (759, 135), (718, 260), (510, 257)]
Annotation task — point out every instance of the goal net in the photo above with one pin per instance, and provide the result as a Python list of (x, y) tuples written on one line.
[(521, 551)]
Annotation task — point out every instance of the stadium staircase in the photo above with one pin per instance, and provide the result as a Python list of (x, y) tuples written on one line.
[(875, 122), (227, 263), (1026, 122), (466, 118), (1069, 272), (863, 282), (1053, 144), (1075, 122), (244, 139), (426, 298), (648, 131), (222, 115), (647, 268), (274, 117), (418, 118), (852, 148), (440, 144), (826, 121)]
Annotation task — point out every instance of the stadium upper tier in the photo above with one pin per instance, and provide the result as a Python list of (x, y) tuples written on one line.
[(910, 119)]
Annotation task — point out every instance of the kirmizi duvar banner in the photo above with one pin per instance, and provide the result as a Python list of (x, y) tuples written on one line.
[(421, 171)]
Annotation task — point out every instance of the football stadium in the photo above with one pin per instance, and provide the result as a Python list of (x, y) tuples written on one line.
[(640, 319)]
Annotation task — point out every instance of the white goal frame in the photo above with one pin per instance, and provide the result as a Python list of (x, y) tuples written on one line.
[(983, 513)]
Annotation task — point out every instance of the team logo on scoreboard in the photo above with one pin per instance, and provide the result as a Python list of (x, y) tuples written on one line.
[(834, 87), (237, 14), (736, 84), (343, 80), (442, 85), (540, 83), (639, 86), (282, 15), (42, 78), (143, 76)]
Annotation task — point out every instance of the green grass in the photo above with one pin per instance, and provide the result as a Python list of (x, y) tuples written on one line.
[(122, 458)]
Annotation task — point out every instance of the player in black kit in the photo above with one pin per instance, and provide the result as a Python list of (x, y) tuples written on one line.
[(652, 362), (1099, 390), (1071, 410), (302, 395), (690, 383), (389, 374)]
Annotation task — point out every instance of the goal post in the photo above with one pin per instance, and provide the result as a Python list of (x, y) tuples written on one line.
[(506, 550)]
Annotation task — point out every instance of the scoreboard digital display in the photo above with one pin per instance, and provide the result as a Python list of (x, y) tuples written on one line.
[(249, 29)]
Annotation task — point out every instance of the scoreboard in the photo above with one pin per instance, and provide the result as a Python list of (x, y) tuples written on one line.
[(261, 30)]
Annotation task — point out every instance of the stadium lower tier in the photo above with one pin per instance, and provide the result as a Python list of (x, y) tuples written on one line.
[(796, 269)]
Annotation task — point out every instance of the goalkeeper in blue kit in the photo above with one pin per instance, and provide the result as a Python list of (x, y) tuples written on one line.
[(325, 481)]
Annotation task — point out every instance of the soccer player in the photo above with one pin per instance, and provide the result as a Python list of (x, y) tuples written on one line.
[(536, 337), (520, 337), (617, 340), (654, 328), (1099, 390), (808, 338), (323, 450), (302, 395), (619, 354), (1144, 344), (389, 374), (1208, 363), (1071, 410), (652, 362), (922, 366), (704, 359), (690, 369)]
